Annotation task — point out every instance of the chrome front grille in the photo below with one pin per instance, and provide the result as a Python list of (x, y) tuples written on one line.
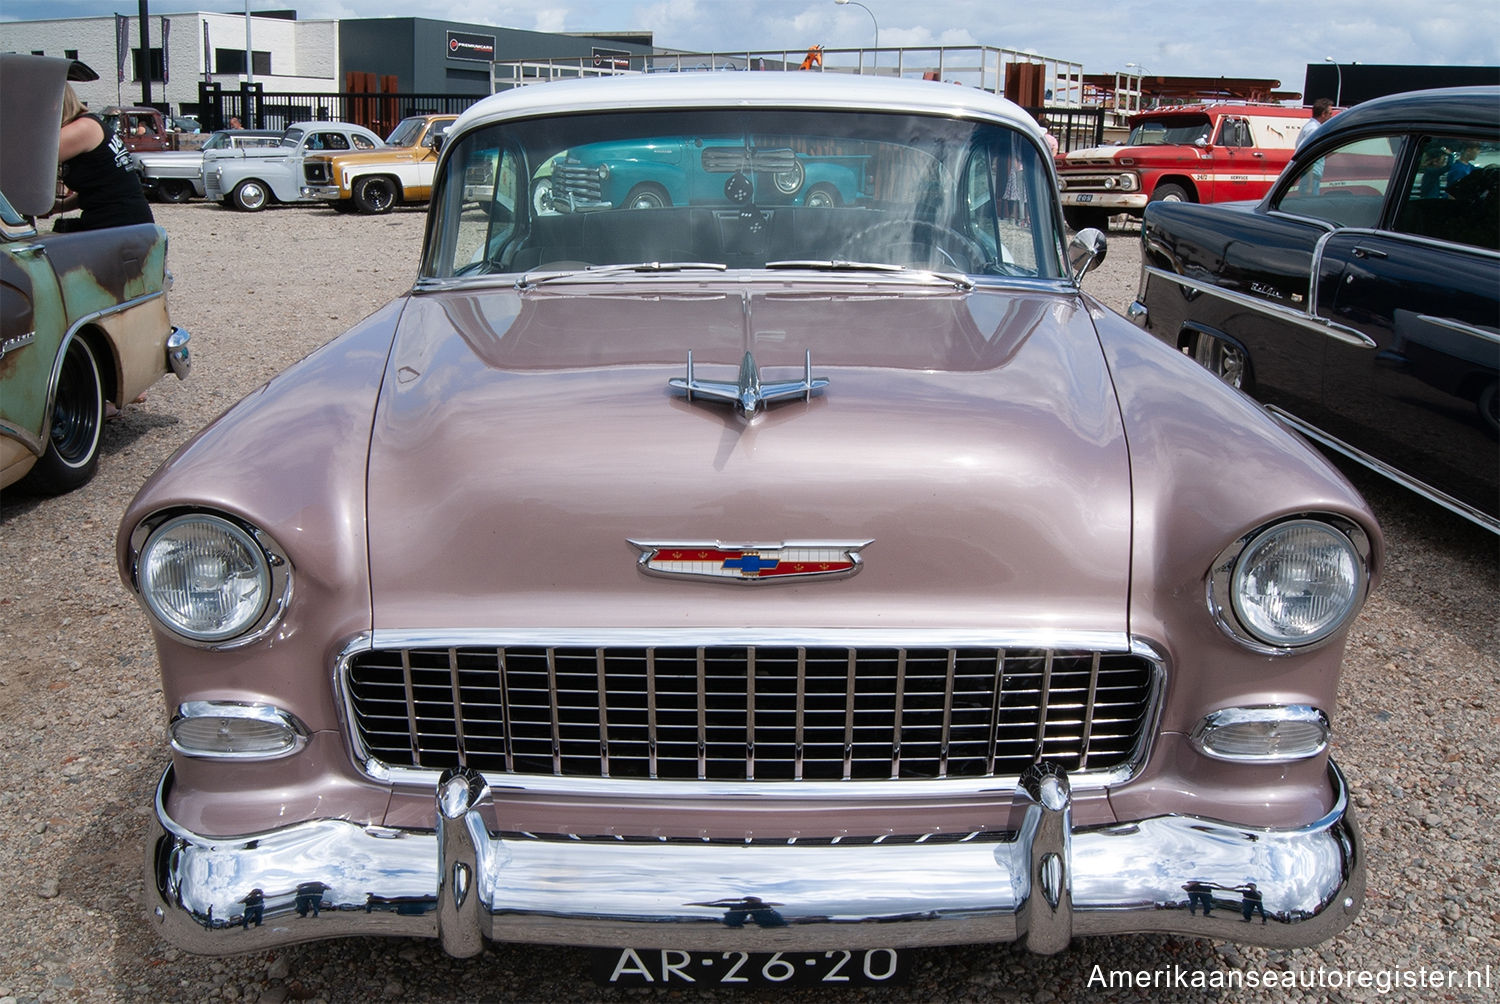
[(749, 713), (570, 179)]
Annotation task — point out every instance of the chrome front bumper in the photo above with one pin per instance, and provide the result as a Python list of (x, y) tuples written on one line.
[(1042, 885), (325, 192)]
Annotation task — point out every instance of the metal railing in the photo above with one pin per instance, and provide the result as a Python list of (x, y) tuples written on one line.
[(982, 66)]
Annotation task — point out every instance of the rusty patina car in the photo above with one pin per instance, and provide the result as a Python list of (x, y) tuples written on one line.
[(751, 591), (83, 315)]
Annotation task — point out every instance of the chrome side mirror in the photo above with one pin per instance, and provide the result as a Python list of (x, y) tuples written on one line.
[(1086, 252)]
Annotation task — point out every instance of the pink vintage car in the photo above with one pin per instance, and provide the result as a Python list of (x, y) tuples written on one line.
[(750, 590)]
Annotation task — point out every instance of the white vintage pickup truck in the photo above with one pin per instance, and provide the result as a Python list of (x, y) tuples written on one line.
[(177, 175)]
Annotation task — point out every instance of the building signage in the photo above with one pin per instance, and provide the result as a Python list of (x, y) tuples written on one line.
[(477, 48), (611, 59)]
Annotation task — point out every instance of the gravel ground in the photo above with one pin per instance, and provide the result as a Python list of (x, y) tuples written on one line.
[(83, 721)]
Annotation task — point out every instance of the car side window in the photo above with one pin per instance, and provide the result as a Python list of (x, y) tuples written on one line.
[(363, 143), (334, 141), (1452, 196), (1347, 185), (1235, 132)]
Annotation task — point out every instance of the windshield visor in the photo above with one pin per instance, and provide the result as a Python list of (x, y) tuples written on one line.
[(744, 188)]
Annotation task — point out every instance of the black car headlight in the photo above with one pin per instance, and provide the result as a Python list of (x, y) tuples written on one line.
[(210, 579), (1291, 585)]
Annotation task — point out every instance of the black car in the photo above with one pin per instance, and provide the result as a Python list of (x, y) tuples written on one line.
[(1360, 300)]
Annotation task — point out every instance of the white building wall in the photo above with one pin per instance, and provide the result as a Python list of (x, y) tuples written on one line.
[(304, 54)]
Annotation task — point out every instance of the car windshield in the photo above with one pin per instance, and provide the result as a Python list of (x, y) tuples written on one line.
[(745, 188), (406, 133), (291, 137), (1175, 130)]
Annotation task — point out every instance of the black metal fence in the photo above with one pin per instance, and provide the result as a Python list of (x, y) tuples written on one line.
[(1075, 128), (257, 108)]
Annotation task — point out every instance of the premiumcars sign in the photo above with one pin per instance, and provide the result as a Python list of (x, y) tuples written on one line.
[(478, 48)]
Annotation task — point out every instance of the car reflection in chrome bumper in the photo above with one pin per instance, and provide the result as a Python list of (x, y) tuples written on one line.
[(1041, 885)]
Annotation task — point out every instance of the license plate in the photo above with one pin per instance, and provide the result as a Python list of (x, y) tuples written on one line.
[(1084, 198), (646, 967)]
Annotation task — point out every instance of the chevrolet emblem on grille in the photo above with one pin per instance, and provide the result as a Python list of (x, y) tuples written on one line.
[(750, 563)]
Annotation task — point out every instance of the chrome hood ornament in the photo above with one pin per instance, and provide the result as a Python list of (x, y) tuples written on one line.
[(751, 563), (748, 394)]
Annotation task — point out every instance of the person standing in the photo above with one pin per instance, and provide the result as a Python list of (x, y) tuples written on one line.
[(1322, 111), (95, 169)]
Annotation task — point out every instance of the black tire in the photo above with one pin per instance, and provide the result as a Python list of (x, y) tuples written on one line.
[(72, 454), (251, 196), (1083, 217), (174, 190), (648, 195), (1171, 193), (375, 195), (822, 197)]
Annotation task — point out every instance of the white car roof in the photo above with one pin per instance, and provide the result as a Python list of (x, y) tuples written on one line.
[(744, 89)]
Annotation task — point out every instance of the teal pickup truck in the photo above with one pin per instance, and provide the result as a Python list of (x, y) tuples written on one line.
[(680, 171)]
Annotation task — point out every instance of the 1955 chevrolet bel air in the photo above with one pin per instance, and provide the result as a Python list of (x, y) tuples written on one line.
[(752, 589)]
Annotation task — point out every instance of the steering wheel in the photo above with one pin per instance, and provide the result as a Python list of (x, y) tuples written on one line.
[(923, 245)]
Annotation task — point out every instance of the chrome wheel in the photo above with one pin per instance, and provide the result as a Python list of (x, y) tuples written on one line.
[(251, 196), (1221, 359), (647, 196)]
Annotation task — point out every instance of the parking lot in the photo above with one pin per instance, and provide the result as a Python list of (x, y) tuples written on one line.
[(83, 720)]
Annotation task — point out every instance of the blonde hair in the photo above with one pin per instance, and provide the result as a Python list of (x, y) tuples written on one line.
[(71, 106)]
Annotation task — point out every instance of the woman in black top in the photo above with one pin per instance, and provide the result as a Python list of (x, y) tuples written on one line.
[(96, 170)]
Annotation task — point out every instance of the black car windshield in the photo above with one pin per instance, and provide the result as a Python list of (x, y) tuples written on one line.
[(743, 188), (1175, 130)]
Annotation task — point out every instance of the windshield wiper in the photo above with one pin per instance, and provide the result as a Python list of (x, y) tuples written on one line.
[(841, 265), (531, 279)]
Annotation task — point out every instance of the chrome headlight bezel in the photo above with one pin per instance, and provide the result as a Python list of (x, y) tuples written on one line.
[(1227, 578), (269, 556)]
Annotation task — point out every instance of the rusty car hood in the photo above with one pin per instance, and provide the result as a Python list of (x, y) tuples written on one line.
[(524, 439)]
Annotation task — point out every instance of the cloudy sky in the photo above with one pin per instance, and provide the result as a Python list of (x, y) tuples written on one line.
[(1251, 38)]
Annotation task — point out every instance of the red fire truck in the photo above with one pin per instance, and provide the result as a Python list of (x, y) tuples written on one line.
[(1183, 153)]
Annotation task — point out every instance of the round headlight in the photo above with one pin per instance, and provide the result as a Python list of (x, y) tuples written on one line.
[(204, 577), (1296, 583)]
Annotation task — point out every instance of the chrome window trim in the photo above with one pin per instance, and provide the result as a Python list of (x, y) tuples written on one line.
[(425, 779), (1219, 587), (1431, 494), (275, 555)]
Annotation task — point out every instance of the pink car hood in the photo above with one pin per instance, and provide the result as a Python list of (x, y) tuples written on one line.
[(522, 441)]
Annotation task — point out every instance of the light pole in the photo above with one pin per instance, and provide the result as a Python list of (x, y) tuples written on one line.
[(1338, 94), (856, 3)]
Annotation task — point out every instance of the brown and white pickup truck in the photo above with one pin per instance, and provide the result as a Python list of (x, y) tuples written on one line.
[(372, 181)]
